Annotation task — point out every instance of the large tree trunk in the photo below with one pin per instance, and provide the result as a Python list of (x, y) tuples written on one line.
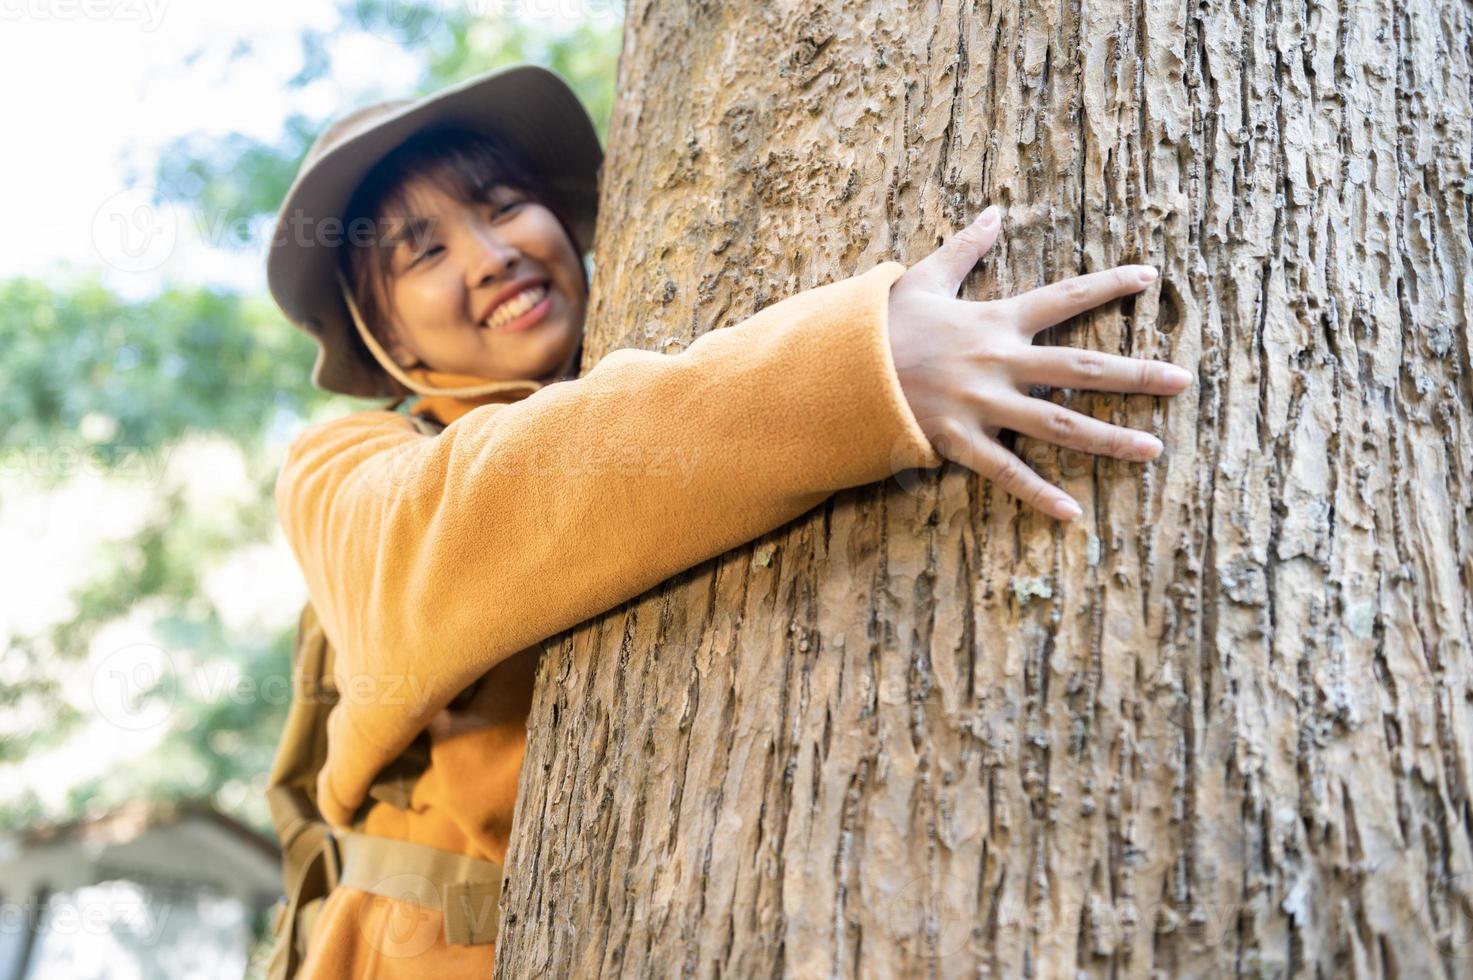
[(1222, 725)]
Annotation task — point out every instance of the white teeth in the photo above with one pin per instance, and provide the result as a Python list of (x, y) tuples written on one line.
[(516, 306)]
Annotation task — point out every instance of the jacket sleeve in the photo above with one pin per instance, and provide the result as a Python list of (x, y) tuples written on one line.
[(430, 560)]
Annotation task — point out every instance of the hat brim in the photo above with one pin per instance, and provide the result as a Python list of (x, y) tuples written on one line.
[(526, 105)]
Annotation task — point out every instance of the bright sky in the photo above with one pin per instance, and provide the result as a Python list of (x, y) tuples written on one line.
[(85, 93), (91, 84)]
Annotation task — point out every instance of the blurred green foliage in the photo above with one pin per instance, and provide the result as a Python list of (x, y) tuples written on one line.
[(237, 178), (118, 386), (184, 360)]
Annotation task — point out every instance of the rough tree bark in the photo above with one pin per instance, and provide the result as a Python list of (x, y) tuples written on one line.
[(1221, 726)]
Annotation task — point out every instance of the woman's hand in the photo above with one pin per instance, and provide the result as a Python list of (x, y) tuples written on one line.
[(965, 366)]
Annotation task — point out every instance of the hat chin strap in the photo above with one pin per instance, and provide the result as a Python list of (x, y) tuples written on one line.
[(398, 374)]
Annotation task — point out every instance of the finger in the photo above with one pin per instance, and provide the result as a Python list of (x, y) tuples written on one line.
[(1070, 367), (1012, 475), (1073, 430), (1045, 306), (955, 258)]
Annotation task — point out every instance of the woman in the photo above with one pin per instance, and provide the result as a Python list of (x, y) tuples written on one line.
[(442, 545)]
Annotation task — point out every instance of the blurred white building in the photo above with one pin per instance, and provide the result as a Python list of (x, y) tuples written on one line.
[(166, 892)]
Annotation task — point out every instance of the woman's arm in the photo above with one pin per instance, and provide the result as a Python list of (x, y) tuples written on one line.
[(430, 560)]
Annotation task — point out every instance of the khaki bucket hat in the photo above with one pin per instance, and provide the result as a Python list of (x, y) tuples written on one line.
[(527, 106)]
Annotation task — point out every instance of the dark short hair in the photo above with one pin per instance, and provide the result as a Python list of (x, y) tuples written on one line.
[(465, 165)]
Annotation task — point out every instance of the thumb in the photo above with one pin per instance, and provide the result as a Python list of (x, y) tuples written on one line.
[(954, 259)]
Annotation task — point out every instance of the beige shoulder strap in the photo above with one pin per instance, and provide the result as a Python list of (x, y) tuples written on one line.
[(466, 891), (310, 864)]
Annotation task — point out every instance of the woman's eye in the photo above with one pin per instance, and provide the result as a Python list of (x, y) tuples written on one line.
[(426, 254)]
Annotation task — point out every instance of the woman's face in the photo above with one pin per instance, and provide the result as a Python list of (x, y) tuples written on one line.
[(495, 290)]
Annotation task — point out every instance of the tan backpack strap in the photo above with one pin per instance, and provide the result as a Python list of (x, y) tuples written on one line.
[(321, 872), (299, 828), (465, 890), (310, 864), (292, 783)]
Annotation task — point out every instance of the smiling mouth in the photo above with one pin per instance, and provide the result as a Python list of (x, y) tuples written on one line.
[(515, 307)]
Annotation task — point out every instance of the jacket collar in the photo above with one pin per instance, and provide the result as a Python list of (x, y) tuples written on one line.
[(447, 408)]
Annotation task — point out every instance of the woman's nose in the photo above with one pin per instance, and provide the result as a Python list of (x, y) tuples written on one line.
[(491, 256)]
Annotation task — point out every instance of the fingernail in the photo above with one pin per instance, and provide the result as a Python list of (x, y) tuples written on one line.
[(1146, 445), (989, 217), (1067, 509), (1147, 274), (1180, 374)]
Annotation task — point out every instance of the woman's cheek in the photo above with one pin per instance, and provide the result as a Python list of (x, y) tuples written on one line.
[(435, 299)]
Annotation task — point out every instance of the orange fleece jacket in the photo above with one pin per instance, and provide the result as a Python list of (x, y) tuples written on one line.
[(436, 561)]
